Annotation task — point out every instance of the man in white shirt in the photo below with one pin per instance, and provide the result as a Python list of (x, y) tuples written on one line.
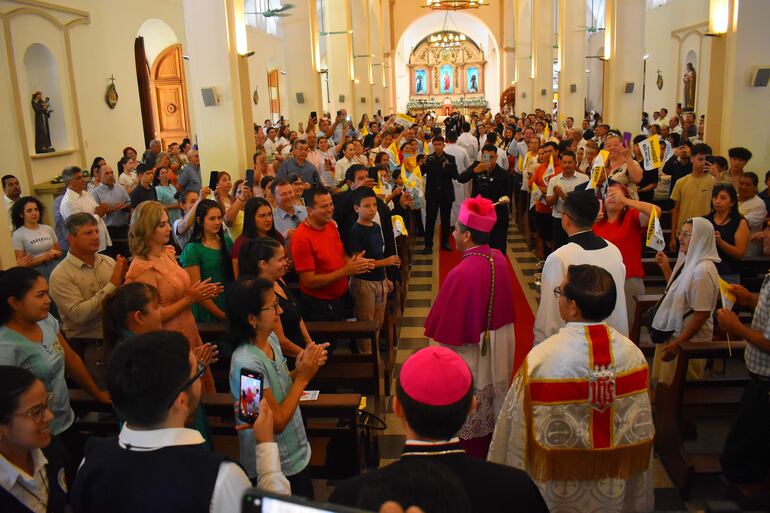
[(462, 161), (558, 188), (76, 199), (156, 462), (581, 208), (272, 146), (342, 165), (753, 208), (468, 141)]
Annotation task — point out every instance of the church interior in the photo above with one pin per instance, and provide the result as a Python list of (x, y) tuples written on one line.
[(84, 81)]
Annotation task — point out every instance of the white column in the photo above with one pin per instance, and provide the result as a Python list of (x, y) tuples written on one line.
[(542, 53), (339, 58), (743, 106), (216, 33), (508, 55), (362, 59), (624, 48), (523, 55), (300, 36), (572, 53), (377, 48)]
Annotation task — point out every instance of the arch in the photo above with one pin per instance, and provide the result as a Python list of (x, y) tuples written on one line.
[(473, 26), (158, 36), (42, 74)]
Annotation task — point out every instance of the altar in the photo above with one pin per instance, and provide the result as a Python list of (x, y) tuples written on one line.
[(446, 71)]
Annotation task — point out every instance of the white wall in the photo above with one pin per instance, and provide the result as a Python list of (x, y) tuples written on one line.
[(747, 109), (667, 54), (102, 48)]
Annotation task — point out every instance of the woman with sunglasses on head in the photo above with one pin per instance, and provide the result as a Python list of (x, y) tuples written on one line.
[(258, 222), (624, 224), (32, 469), (30, 338), (252, 311), (621, 166), (154, 263)]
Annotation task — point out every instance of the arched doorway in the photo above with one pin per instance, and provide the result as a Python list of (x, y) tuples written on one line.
[(161, 82), (169, 96)]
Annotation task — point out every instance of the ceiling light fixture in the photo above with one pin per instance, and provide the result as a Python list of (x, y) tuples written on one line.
[(455, 5)]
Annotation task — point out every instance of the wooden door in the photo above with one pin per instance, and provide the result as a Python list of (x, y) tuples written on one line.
[(274, 94), (170, 96)]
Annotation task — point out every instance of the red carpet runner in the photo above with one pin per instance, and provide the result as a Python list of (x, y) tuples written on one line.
[(525, 319)]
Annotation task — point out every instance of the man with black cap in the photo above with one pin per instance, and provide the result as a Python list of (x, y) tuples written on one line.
[(582, 247), (434, 395)]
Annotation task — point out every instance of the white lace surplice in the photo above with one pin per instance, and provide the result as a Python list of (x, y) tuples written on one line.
[(491, 375)]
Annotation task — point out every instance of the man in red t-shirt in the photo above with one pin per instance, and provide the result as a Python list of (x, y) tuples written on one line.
[(320, 260), (543, 222)]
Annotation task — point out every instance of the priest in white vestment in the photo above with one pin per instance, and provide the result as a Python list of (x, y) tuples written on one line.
[(578, 417), (473, 316), (462, 161), (583, 247)]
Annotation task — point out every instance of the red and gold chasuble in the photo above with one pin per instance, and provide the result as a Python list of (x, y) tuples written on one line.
[(596, 422)]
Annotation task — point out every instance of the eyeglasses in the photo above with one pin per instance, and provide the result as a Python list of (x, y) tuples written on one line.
[(38, 412), (198, 374), (274, 306)]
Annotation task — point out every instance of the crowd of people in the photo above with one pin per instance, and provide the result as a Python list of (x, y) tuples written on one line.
[(113, 294)]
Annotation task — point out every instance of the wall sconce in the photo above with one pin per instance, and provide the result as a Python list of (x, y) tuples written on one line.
[(718, 17)]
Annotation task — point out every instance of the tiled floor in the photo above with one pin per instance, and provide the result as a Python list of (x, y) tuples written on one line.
[(423, 286)]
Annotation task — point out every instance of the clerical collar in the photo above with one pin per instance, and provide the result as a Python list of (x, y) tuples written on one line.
[(588, 240), (437, 448)]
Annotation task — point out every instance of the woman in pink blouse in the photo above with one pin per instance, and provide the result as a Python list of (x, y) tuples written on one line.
[(154, 263)]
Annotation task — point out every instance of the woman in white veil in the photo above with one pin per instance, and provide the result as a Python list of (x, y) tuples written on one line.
[(691, 293)]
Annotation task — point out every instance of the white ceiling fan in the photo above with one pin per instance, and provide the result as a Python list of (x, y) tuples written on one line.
[(278, 12)]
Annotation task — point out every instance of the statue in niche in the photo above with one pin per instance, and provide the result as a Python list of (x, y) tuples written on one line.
[(689, 87), (43, 110)]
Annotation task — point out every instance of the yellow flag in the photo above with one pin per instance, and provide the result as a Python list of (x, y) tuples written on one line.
[(535, 194), (550, 171), (654, 237), (425, 148), (728, 298), (597, 168), (546, 132), (394, 153), (404, 120), (364, 131), (650, 149), (399, 227)]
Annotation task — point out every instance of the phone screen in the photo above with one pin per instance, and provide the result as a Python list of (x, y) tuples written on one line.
[(626, 139), (313, 115), (213, 180), (486, 159), (251, 394), (257, 501), (250, 177)]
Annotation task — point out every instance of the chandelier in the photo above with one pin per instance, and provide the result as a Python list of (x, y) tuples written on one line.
[(455, 5), (446, 39)]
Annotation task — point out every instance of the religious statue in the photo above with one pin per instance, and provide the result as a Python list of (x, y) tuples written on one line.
[(447, 82), (418, 84), (474, 87), (43, 111), (689, 87)]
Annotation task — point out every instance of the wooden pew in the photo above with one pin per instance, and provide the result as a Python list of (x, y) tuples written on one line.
[(643, 303), (331, 417), (718, 396)]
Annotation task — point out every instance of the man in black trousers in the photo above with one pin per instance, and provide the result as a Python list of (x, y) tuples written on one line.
[(439, 168)]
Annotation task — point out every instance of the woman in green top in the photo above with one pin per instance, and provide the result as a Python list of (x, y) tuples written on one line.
[(166, 194), (30, 338), (207, 256)]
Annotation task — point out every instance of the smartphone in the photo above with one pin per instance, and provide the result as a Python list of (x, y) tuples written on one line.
[(486, 159), (338, 113), (213, 180), (379, 112), (250, 177), (314, 115), (258, 501), (710, 159), (252, 386), (626, 139)]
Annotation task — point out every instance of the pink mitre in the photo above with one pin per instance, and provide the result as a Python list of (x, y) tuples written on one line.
[(435, 376), (478, 213)]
